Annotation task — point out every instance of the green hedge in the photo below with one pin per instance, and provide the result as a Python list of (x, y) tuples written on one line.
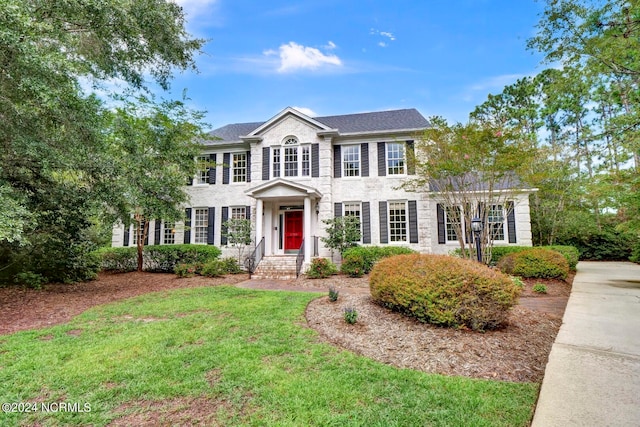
[(536, 263), (497, 252), (362, 258), (157, 259)]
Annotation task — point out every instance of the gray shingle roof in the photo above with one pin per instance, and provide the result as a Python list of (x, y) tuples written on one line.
[(349, 123)]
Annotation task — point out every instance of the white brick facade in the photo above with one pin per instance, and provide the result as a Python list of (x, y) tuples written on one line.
[(316, 195)]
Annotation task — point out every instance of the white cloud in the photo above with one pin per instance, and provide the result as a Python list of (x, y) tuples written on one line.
[(387, 34), (304, 110), (330, 46), (388, 37), (294, 57)]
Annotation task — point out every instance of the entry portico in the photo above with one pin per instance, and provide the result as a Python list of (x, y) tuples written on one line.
[(285, 216)]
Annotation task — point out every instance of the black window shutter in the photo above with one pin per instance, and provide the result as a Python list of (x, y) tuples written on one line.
[(413, 221), (442, 236), (382, 159), (364, 159), (212, 169), (511, 222), (366, 223), (384, 233), (266, 158), (226, 160), (337, 210), (247, 212), (411, 158), (223, 228), (337, 160), (249, 166), (211, 221), (315, 160), (187, 226), (157, 235), (125, 238)]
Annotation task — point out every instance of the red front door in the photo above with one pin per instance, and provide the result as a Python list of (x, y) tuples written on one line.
[(292, 230)]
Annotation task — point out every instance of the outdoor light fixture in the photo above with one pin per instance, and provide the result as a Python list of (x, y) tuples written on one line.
[(476, 227), (317, 208)]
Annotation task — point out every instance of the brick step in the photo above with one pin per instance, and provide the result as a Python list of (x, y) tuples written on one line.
[(276, 267)]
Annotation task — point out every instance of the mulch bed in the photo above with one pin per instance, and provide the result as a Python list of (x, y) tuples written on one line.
[(517, 352)]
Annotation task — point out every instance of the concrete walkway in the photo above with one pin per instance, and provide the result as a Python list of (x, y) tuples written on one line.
[(593, 374)]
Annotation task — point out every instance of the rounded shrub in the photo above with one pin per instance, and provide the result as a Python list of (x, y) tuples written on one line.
[(353, 265), (536, 263), (214, 268), (444, 290), (321, 268)]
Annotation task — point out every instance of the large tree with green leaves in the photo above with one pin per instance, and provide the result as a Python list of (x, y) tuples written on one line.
[(54, 162), (596, 96), (152, 146)]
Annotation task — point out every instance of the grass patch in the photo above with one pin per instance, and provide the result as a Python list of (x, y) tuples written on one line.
[(231, 357)]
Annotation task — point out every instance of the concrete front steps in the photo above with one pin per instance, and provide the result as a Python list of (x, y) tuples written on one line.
[(279, 267)]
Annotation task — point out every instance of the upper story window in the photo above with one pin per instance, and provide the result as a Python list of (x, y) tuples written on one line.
[(239, 165), (351, 160), (202, 176), (396, 163), (292, 159)]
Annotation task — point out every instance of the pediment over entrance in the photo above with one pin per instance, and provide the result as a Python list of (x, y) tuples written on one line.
[(281, 188)]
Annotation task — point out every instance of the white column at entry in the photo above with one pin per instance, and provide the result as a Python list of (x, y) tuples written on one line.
[(307, 230), (259, 220)]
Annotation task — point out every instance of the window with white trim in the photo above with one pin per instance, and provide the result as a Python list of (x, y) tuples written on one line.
[(452, 222), (351, 160), (396, 164), (239, 212), (306, 160), (276, 162), (292, 159), (200, 225), (495, 221), (202, 176), (169, 233), (397, 221), (239, 167), (353, 209)]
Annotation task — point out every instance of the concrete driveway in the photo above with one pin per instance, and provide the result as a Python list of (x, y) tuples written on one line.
[(593, 374)]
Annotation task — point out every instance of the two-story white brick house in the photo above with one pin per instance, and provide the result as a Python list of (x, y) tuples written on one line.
[(290, 173)]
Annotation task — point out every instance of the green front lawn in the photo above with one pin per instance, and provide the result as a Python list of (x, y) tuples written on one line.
[(231, 357)]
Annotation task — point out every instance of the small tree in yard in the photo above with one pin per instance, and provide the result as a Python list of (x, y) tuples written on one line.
[(343, 232), (238, 234), (471, 170)]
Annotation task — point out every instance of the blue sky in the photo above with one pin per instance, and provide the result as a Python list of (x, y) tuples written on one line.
[(333, 57)]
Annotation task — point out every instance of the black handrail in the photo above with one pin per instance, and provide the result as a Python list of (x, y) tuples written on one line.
[(252, 261), (300, 259)]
